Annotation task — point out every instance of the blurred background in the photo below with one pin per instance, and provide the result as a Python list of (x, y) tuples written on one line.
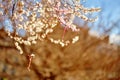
[(108, 21), (96, 56)]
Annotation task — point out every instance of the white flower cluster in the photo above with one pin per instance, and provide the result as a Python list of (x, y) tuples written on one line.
[(33, 20)]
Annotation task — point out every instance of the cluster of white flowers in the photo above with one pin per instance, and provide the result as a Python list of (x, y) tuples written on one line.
[(33, 20)]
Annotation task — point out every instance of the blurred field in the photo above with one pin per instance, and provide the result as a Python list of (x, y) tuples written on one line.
[(88, 59)]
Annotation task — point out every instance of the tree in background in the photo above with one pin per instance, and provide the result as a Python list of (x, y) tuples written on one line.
[(52, 62)]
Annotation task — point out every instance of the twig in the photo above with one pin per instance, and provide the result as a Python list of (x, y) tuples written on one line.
[(30, 57)]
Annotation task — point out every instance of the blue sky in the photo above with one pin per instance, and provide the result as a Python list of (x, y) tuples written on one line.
[(107, 6), (110, 12)]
